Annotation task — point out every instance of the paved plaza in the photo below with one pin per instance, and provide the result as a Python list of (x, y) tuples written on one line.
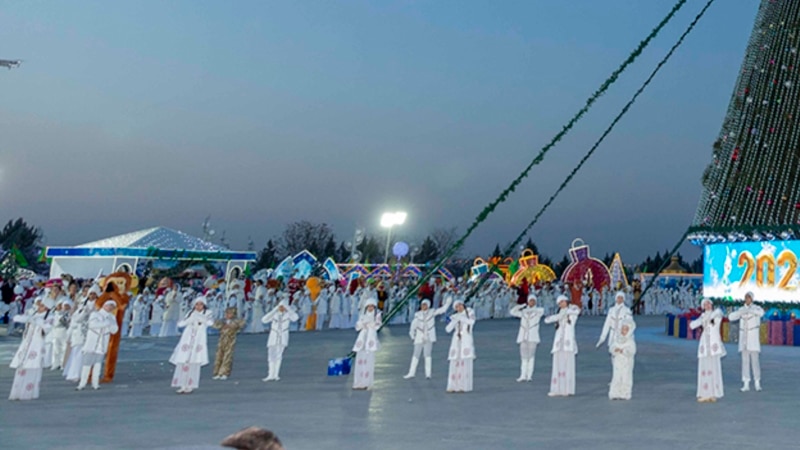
[(309, 410)]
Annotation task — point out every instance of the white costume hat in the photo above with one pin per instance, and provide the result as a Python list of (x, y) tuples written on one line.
[(619, 294), (95, 289), (532, 296), (66, 301), (627, 320), (19, 290), (110, 302), (426, 302), (562, 298), (200, 299), (46, 302), (706, 300), (459, 301), (371, 301)]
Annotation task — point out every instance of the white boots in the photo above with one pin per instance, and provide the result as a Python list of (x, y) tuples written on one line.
[(274, 371), (529, 375), (412, 371), (428, 361), (525, 370), (95, 369), (84, 377), (746, 385)]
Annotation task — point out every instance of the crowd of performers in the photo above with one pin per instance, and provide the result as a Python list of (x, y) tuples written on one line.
[(70, 329)]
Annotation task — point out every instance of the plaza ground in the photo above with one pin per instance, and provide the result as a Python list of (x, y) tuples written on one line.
[(309, 410)]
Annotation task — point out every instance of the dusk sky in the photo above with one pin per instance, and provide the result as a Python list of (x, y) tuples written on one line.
[(127, 115)]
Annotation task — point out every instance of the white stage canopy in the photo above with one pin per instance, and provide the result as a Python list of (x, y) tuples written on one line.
[(126, 250)]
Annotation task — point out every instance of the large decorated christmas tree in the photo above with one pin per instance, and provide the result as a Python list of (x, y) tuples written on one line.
[(751, 188)]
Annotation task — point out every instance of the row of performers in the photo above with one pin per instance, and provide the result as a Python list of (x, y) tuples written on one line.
[(191, 353)]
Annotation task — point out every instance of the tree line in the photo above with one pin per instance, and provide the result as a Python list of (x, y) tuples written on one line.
[(22, 245)]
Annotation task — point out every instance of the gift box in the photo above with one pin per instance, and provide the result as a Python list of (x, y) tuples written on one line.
[(670, 325), (776, 332), (682, 327), (763, 334), (339, 366), (789, 326), (796, 327), (725, 330), (676, 326)]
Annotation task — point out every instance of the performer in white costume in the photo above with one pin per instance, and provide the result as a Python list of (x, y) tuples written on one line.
[(749, 317), (172, 312), (614, 318), (138, 316), (28, 361), (565, 348), (423, 334), (278, 340), (623, 352), (156, 316), (58, 335), (709, 353), (367, 344), (259, 305), (76, 334), (102, 324), (462, 348), (530, 316), (191, 352)]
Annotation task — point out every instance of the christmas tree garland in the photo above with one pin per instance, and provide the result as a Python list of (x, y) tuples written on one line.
[(484, 214), (605, 134)]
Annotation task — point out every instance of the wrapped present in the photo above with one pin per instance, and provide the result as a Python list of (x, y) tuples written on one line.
[(763, 334), (789, 327), (670, 325), (683, 326), (339, 366), (776, 332), (725, 330), (676, 326), (796, 327)]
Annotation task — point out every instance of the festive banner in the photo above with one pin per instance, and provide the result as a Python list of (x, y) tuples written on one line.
[(766, 268)]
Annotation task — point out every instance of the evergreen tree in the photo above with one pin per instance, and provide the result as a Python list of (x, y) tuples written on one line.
[(497, 253), (267, 257), (342, 254), (561, 266), (753, 178), (329, 250), (531, 245), (427, 252)]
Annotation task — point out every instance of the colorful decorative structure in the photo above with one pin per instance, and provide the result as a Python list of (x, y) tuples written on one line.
[(583, 270), (530, 269), (617, 270)]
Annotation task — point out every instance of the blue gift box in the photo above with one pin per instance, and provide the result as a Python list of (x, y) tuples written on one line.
[(796, 334), (339, 366), (683, 327), (670, 325)]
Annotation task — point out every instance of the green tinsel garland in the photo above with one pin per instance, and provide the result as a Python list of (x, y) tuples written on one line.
[(538, 159)]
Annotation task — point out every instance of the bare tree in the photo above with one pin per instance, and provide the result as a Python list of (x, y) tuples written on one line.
[(444, 238), (304, 235)]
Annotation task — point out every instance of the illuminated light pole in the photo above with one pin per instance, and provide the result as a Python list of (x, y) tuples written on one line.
[(389, 220)]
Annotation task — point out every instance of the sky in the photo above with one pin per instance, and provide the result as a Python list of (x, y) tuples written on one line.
[(132, 114)]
